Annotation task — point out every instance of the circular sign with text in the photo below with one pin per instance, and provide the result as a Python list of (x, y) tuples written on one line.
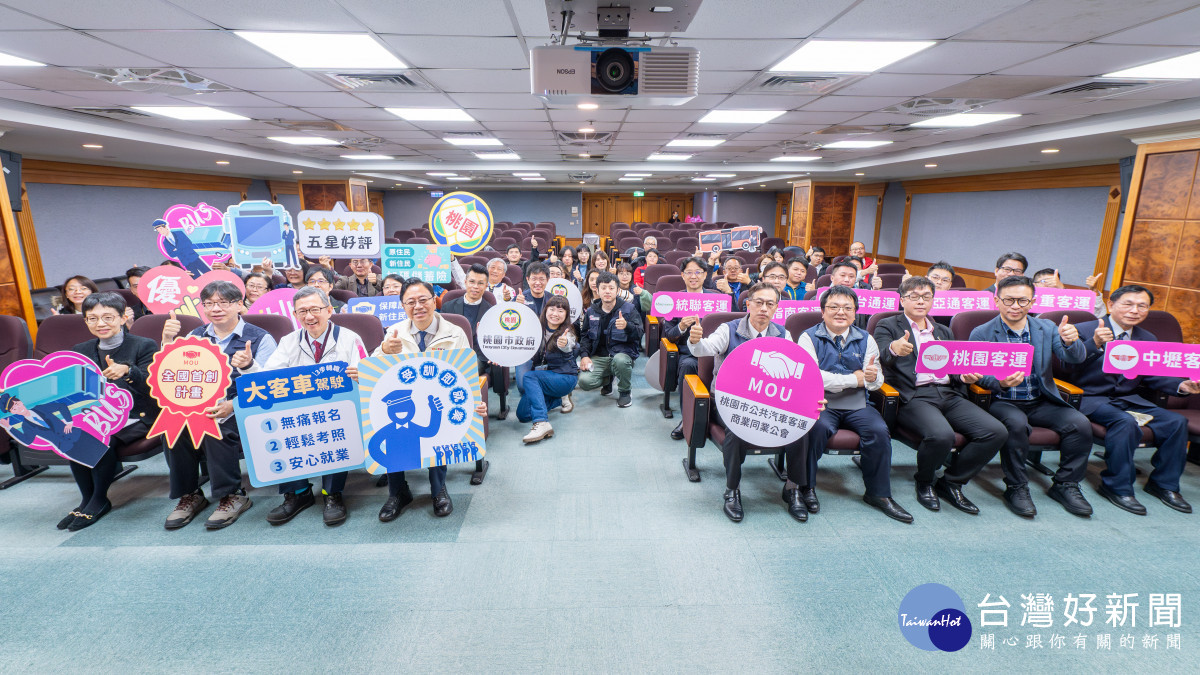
[(768, 391), (509, 334), (568, 290), (461, 221)]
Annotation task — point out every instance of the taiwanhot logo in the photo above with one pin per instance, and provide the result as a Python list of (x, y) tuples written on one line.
[(933, 617), (510, 319)]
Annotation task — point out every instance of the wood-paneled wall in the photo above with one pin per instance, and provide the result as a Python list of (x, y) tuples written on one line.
[(823, 215), (600, 209), (1160, 245)]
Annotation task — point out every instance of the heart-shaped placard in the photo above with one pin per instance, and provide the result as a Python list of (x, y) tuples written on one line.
[(167, 288), (203, 225)]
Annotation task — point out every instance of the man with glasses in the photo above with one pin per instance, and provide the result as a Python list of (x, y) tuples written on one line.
[(1022, 401), (321, 278), (1008, 265), (761, 304), (933, 408), (364, 283), (849, 362), (941, 275), (317, 341), (1111, 400), (246, 345), (694, 271)]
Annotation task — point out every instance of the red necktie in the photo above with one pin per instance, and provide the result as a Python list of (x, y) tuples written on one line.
[(318, 350)]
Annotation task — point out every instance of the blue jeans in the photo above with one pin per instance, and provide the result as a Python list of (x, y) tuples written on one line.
[(522, 371), (543, 391)]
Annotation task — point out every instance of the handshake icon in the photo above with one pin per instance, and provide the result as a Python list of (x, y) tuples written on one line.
[(776, 365)]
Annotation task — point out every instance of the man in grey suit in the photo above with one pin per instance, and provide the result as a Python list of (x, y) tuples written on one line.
[(1034, 400)]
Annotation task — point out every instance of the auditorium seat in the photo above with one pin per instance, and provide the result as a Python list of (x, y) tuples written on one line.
[(891, 281), (342, 295), (876, 318), (366, 326), (151, 326), (892, 268), (60, 333), (670, 284), (277, 325), (772, 242), (653, 273)]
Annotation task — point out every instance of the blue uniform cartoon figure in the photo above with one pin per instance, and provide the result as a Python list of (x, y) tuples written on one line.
[(289, 246), (51, 422), (397, 446), (179, 246)]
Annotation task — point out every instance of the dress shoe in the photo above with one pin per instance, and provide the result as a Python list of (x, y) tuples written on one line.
[(1071, 498), (809, 495), (1169, 497), (1017, 498), (86, 519), (677, 432), (334, 512), (889, 507), (927, 497), (66, 521), (394, 505), (1125, 502), (733, 505), (442, 506), (293, 503), (953, 493), (795, 505)]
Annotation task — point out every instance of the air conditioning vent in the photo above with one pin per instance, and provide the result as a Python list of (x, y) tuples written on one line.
[(307, 125), (379, 82), (1098, 89), (168, 81), (853, 130), (364, 143), (802, 84), (936, 107), (704, 136), (594, 138), (111, 112), (577, 158), (669, 73)]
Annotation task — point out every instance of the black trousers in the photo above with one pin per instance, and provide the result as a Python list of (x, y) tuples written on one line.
[(875, 446), (223, 456), (688, 365), (1071, 425), (933, 414), (93, 482), (735, 449)]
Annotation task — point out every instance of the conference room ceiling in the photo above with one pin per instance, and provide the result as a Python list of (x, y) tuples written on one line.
[(474, 55)]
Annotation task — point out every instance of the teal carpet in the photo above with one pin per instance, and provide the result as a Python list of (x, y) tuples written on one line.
[(586, 552)]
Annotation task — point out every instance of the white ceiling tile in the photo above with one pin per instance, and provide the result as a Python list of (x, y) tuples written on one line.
[(436, 127), (67, 48), (415, 100), (572, 115), (278, 15), (724, 81), (801, 117), (265, 79), (740, 54), (852, 103), (668, 127), (787, 20), (794, 128), (50, 98), (131, 14), (11, 19), (1025, 106), (1002, 86), (315, 99), (56, 79), (705, 101), (486, 115), (521, 135), (10, 85), (914, 19), (271, 113), (224, 98), (1092, 59), (478, 81), (504, 125), (124, 97), (458, 51), (1179, 90), (513, 100), (901, 85), (882, 118), (1072, 20), (458, 17), (351, 116), (973, 58), (1179, 29), (193, 48), (1104, 106)]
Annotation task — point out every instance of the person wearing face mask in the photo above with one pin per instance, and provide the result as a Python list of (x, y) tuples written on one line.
[(555, 371), (364, 283)]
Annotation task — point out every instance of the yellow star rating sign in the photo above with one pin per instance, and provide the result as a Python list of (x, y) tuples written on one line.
[(339, 232), (339, 225), (353, 225), (323, 223), (309, 224)]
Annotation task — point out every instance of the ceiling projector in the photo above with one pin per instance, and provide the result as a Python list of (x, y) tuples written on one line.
[(572, 74)]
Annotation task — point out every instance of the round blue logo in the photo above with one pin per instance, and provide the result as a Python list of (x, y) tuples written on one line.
[(933, 617)]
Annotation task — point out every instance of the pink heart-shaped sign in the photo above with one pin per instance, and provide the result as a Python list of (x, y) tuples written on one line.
[(167, 288), (203, 224), (278, 301)]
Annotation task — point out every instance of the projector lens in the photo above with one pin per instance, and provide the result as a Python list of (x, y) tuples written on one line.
[(614, 69)]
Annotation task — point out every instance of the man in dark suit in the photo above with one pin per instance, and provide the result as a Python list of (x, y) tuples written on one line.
[(1109, 398), (1022, 401), (53, 423), (179, 246), (471, 303), (933, 408)]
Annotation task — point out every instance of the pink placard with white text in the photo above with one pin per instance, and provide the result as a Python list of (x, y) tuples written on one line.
[(1133, 358), (667, 305), (790, 307), (1051, 299), (955, 357), (952, 302), (278, 301), (768, 391)]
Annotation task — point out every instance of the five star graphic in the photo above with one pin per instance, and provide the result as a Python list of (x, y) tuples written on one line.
[(324, 224), (339, 225), (309, 224)]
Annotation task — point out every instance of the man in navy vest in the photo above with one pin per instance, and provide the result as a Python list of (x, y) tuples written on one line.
[(761, 301), (1023, 401), (849, 362), (1109, 398)]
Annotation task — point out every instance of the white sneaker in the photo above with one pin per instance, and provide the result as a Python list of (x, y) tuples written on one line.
[(567, 405), (539, 431)]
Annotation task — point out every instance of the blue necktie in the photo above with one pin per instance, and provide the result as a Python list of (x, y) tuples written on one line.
[(837, 342), (421, 340)]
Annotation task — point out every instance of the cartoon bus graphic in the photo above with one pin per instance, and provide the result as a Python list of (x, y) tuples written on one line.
[(76, 387), (745, 238), (255, 230)]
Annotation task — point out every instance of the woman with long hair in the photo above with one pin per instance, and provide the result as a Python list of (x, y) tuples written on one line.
[(600, 262), (74, 290), (554, 373), (583, 263)]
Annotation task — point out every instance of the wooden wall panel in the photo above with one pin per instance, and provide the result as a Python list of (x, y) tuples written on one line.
[(1187, 259), (1166, 186), (1158, 244), (1184, 304)]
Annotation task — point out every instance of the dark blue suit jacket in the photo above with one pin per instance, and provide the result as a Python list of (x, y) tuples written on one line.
[(1043, 336), (181, 249), (1100, 387), (77, 444)]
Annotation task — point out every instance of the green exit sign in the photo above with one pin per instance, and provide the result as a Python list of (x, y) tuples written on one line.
[(639, 193)]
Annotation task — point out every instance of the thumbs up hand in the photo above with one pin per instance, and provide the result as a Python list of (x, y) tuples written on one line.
[(171, 328), (1067, 332), (695, 334), (620, 323), (242, 359), (871, 372), (901, 346), (114, 371)]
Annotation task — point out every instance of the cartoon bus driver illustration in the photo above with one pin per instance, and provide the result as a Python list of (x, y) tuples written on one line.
[(52, 423), (397, 446)]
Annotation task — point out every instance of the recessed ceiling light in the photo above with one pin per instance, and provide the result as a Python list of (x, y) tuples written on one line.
[(508, 154), (662, 9), (526, 174), (588, 106), (931, 166), (850, 145), (222, 162), (469, 141), (368, 181), (741, 188), (93, 146), (304, 140), (1049, 151), (740, 116), (638, 175), (585, 155), (703, 180), (860, 174), (720, 175), (587, 130), (796, 158), (190, 113), (532, 178), (461, 179), (1186, 67), (10, 60), (297, 171), (367, 155), (440, 173), (847, 56), (431, 114), (964, 120), (667, 156), (325, 50), (629, 178), (396, 185), (695, 142), (762, 186)]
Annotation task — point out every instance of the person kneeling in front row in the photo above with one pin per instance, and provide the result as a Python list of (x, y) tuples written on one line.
[(610, 342), (554, 371)]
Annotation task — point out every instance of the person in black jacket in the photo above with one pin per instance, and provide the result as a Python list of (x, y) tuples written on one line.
[(555, 372), (610, 343), (471, 304), (933, 408)]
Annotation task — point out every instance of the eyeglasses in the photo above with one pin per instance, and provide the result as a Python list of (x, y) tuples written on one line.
[(255, 287), (693, 273), (775, 277), (1139, 306), (315, 311), (940, 280), (757, 302), (923, 297), (223, 304), (318, 282), (107, 318), (1019, 302), (418, 301), (1012, 270), (840, 309)]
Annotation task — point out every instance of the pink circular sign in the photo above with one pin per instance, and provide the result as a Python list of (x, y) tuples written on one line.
[(768, 391)]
